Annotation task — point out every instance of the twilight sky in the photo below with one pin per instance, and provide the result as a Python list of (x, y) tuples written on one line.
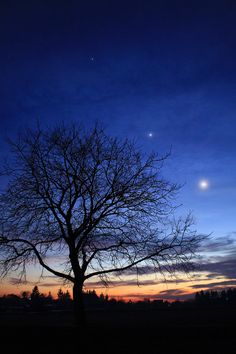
[(160, 72)]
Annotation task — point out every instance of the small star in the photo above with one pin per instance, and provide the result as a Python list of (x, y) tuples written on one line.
[(150, 135), (92, 58)]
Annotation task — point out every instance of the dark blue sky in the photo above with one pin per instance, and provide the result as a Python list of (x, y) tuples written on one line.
[(166, 67)]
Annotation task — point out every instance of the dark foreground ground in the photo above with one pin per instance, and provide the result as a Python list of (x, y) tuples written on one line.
[(115, 331)]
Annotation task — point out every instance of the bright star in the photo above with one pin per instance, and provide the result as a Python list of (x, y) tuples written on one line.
[(150, 135), (203, 184)]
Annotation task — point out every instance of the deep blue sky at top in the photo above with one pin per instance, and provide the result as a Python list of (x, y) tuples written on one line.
[(166, 67)]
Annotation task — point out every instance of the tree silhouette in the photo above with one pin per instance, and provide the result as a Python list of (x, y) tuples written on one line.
[(95, 200), (35, 295), (214, 297), (36, 298), (60, 294), (63, 296), (25, 295)]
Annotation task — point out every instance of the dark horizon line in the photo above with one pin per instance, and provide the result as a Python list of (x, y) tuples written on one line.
[(182, 297)]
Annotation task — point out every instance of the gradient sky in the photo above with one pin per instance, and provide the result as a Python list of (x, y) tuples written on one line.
[(140, 67)]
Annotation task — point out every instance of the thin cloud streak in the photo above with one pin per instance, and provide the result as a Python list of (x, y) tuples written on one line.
[(226, 283)]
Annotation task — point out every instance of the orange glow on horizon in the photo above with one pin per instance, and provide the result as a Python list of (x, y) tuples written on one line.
[(161, 291)]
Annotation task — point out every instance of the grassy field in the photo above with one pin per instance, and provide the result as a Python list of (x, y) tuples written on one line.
[(116, 331)]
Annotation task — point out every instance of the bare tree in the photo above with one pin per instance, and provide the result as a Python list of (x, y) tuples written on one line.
[(95, 200)]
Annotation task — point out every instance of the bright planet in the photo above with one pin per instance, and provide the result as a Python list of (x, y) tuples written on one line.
[(203, 184)]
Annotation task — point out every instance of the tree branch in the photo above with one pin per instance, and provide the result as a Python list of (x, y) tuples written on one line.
[(37, 254)]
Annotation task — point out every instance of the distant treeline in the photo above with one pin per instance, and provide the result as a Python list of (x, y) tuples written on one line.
[(36, 301), (223, 297)]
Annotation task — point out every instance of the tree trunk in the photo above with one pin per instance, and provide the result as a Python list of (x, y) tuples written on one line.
[(79, 312)]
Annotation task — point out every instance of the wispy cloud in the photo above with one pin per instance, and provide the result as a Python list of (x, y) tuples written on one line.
[(225, 283), (174, 294), (171, 294), (226, 268), (117, 283), (134, 282), (50, 285), (223, 243), (17, 281)]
